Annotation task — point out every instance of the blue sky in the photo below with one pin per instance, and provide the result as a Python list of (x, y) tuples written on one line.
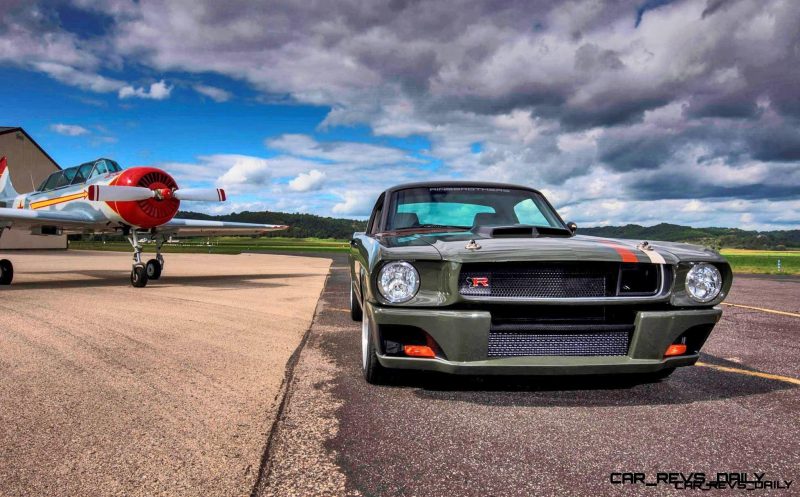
[(187, 126), (139, 131), (641, 111)]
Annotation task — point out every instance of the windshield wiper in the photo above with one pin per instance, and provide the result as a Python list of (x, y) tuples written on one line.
[(446, 226), (428, 227)]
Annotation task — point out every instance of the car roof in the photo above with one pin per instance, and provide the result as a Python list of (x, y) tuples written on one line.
[(445, 184)]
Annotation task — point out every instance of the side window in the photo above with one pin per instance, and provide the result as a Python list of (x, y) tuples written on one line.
[(66, 177), (529, 213), (83, 173), (375, 219), (53, 180), (99, 168)]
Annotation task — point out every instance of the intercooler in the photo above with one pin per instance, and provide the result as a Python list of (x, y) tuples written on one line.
[(559, 340)]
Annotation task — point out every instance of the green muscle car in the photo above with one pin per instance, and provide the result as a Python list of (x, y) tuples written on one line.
[(483, 278)]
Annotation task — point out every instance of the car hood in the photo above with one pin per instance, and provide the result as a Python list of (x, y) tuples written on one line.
[(453, 247)]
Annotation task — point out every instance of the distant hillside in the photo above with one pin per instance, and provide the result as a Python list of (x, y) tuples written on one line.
[(300, 225), (309, 225), (713, 237)]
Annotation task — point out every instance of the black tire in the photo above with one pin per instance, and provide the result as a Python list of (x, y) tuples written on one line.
[(356, 313), (6, 272), (153, 268), (139, 276), (374, 373)]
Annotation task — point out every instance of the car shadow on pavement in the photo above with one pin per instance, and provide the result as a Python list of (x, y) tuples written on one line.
[(685, 386), (104, 278)]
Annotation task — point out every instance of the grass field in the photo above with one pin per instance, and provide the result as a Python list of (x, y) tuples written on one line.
[(226, 245), (743, 261), (763, 261)]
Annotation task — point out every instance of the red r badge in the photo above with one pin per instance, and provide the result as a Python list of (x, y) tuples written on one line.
[(478, 281)]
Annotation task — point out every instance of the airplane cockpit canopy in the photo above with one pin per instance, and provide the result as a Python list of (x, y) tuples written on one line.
[(78, 174)]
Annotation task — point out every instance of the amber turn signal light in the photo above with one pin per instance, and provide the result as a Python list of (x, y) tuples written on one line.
[(418, 351), (675, 349)]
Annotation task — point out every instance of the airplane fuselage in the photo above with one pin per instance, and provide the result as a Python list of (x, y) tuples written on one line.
[(108, 215)]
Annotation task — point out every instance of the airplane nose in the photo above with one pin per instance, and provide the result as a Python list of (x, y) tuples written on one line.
[(150, 212), (164, 194)]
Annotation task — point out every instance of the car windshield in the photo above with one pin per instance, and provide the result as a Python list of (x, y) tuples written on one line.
[(467, 206)]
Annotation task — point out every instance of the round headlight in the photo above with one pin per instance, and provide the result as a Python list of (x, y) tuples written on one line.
[(703, 283), (398, 282)]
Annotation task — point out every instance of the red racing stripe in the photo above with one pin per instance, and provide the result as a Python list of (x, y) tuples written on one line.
[(626, 254)]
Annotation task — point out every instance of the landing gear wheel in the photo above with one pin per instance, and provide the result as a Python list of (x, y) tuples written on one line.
[(139, 276), (153, 269), (356, 314), (374, 373), (6, 272)]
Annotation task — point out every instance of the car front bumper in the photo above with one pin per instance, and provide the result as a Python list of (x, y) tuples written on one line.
[(463, 338)]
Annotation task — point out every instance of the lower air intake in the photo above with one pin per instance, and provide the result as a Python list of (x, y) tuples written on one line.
[(560, 340)]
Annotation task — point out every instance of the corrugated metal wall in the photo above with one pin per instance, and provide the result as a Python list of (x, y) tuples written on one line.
[(28, 167)]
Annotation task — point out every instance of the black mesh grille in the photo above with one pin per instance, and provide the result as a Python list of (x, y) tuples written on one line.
[(560, 340), (538, 280)]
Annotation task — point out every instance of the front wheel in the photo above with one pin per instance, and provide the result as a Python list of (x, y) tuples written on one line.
[(374, 373), (356, 313), (6, 272), (139, 276), (153, 268)]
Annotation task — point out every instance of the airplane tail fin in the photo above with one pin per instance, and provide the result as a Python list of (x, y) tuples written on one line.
[(7, 191)]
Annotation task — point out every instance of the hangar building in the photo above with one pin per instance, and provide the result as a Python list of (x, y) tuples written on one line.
[(28, 165)]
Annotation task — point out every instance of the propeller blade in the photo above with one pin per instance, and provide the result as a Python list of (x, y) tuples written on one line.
[(104, 193), (203, 194)]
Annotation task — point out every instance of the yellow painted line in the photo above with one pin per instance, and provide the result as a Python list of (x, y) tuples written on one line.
[(339, 309), (758, 374), (771, 311), (58, 200)]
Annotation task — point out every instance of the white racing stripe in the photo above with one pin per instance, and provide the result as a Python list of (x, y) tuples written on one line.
[(655, 257)]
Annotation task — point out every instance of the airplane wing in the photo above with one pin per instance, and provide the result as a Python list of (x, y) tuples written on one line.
[(77, 222), (204, 227), (26, 218)]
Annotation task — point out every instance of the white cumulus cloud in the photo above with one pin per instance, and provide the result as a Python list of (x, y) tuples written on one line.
[(361, 154), (305, 182), (69, 129), (158, 91), (80, 78), (216, 94), (242, 170), (355, 203)]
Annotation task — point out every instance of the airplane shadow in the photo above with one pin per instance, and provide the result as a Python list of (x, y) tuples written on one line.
[(103, 278), (684, 386)]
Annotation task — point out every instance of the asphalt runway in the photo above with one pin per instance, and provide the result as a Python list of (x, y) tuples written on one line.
[(178, 389), (170, 389), (430, 435)]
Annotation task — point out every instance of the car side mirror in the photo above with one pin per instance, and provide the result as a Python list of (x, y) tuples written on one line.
[(572, 227)]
